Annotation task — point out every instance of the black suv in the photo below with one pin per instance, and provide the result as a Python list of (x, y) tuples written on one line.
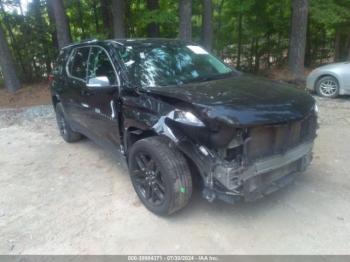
[(180, 115)]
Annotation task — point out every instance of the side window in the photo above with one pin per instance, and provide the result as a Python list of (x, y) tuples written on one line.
[(78, 62), (60, 63), (100, 65)]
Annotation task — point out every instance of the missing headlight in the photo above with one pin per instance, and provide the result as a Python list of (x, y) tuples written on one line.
[(234, 150), (186, 117)]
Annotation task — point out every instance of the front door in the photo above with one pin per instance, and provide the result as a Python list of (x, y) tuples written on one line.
[(102, 101)]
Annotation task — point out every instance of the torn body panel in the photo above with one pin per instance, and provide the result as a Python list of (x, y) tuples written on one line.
[(241, 171)]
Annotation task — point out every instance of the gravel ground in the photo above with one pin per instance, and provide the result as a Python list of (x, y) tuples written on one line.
[(26, 116), (59, 198)]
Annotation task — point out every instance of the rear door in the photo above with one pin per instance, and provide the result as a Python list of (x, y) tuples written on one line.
[(76, 82), (103, 101)]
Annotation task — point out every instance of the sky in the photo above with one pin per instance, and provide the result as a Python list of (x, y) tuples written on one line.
[(24, 4)]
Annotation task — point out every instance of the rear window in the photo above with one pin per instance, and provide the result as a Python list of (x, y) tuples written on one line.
[(77, 65), (60, 62)]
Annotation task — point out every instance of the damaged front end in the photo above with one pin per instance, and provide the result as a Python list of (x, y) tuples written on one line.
[(242, 163)]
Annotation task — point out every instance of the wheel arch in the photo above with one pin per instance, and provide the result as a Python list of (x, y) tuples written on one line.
[(133, 134)]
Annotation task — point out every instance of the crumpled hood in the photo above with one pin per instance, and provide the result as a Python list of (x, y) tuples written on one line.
[(242, 100)]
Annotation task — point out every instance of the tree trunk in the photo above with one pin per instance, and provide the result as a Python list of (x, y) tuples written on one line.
[(61, 21), (153, 28), (107, 17), (337, 47), (51, 16), (96, 18), (251, 54), (297, 44), (207, 28), (239, 48), (219, 20), (129, 28), (324, 55), (280, 51), (15, 46), (268, 51), (185, 13), (7, 65), (308, 48), (81, 18), (42, 27), (257, 56), (118, 9), (347, 47)]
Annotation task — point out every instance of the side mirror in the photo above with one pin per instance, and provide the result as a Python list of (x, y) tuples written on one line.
[(99, 81)]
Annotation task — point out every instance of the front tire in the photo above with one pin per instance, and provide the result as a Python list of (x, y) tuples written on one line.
[(65, 130), (160, 175), (327, 86)]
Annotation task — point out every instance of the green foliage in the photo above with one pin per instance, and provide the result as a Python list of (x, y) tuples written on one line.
[(166, 17), (330, 13), (29, 37), (261, 41)]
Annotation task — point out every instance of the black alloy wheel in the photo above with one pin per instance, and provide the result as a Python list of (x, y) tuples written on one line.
[(160, 175), (148, 179), (66, 131)]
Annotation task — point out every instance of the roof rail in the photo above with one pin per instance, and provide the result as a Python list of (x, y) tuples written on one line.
[(115, 41), (89, 40), (85, 41)]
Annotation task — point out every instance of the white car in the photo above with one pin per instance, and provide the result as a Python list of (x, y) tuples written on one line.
[(330, 80)]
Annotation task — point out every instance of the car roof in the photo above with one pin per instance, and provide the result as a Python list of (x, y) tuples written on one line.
[(136, 41), (126, 41)]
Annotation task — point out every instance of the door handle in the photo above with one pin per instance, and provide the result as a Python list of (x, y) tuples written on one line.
[(85, 92)]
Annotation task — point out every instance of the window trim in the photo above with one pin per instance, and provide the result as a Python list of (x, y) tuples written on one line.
[(88, 63), (68, 60), (110, 60)]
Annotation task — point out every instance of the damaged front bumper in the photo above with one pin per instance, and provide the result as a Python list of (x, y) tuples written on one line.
[(260, 178), (232, 182), (246, 178)]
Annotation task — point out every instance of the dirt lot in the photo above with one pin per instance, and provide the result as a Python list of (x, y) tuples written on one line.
[(28, 95), (59, 198)]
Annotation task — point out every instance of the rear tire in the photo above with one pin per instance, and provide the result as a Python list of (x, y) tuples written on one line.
[(160, 175), (327, 86), (65, 130)]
